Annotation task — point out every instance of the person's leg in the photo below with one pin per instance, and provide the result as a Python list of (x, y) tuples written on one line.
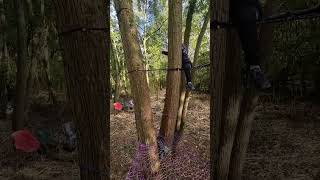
[(187, 70), (249, 42)]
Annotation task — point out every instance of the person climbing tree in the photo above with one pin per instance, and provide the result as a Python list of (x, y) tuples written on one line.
[(186, 65), (244, 15)]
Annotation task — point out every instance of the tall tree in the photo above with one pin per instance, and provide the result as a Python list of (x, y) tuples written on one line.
[(171, 105), (186, 42), (21, 81), (86, 66), (184, 100), (231, 112), (187, 31), (231, 101), (138, 81), (3, 62), (225, 91), (115, 65)]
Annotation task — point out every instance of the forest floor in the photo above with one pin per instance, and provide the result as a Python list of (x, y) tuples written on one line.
[(279, 148)]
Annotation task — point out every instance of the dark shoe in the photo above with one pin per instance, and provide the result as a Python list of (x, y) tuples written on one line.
[(163, 150), (189, 86), (259, 78)]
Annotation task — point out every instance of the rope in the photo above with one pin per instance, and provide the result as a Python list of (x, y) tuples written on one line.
[(82, 29), (168, 69)]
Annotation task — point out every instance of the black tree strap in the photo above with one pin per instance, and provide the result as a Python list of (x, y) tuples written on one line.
[(161, 69), (169, 69), (82, 29)]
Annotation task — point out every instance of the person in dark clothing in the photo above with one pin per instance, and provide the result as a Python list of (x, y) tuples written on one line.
[(244, 15), (186, 65)]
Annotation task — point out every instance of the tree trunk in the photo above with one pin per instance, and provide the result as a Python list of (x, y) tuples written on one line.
[(187, 31), (241, 140), (46, 65), (117, 72), (186, 40), (171, 105), (21, 81), (199, 42), (225, 91), (231, 103), (86, 66), (3, 63), (193, 72), (45, 55), (139, 86), (218, 47)]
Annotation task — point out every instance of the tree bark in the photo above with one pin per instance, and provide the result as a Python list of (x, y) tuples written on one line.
[(21, 81), (3, 63), (193, 72), (187, 31), (86, 66), (199, 42), (231, 103), (46, 66), (117, 75), (186, 41), (171, 105), (218, 47), (225, 91), (241, 140), (138, 81)]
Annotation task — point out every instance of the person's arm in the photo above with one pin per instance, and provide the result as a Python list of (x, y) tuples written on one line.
[(164, 52)]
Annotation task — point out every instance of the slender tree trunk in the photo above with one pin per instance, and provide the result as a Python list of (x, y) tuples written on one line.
[(145, 53), (86, 67), (171, 105), (241, 140), (187, 31), (117, 72), (21, 81), (193, 72), (45, 55), (139, 86), (46, 65), (3, 63), (199, 42), (186, 40)]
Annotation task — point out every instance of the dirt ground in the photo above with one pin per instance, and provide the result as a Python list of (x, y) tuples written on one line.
[(279, 148)]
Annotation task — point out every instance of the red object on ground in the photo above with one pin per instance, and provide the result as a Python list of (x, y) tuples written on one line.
[(117, 106), (25, 141)]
